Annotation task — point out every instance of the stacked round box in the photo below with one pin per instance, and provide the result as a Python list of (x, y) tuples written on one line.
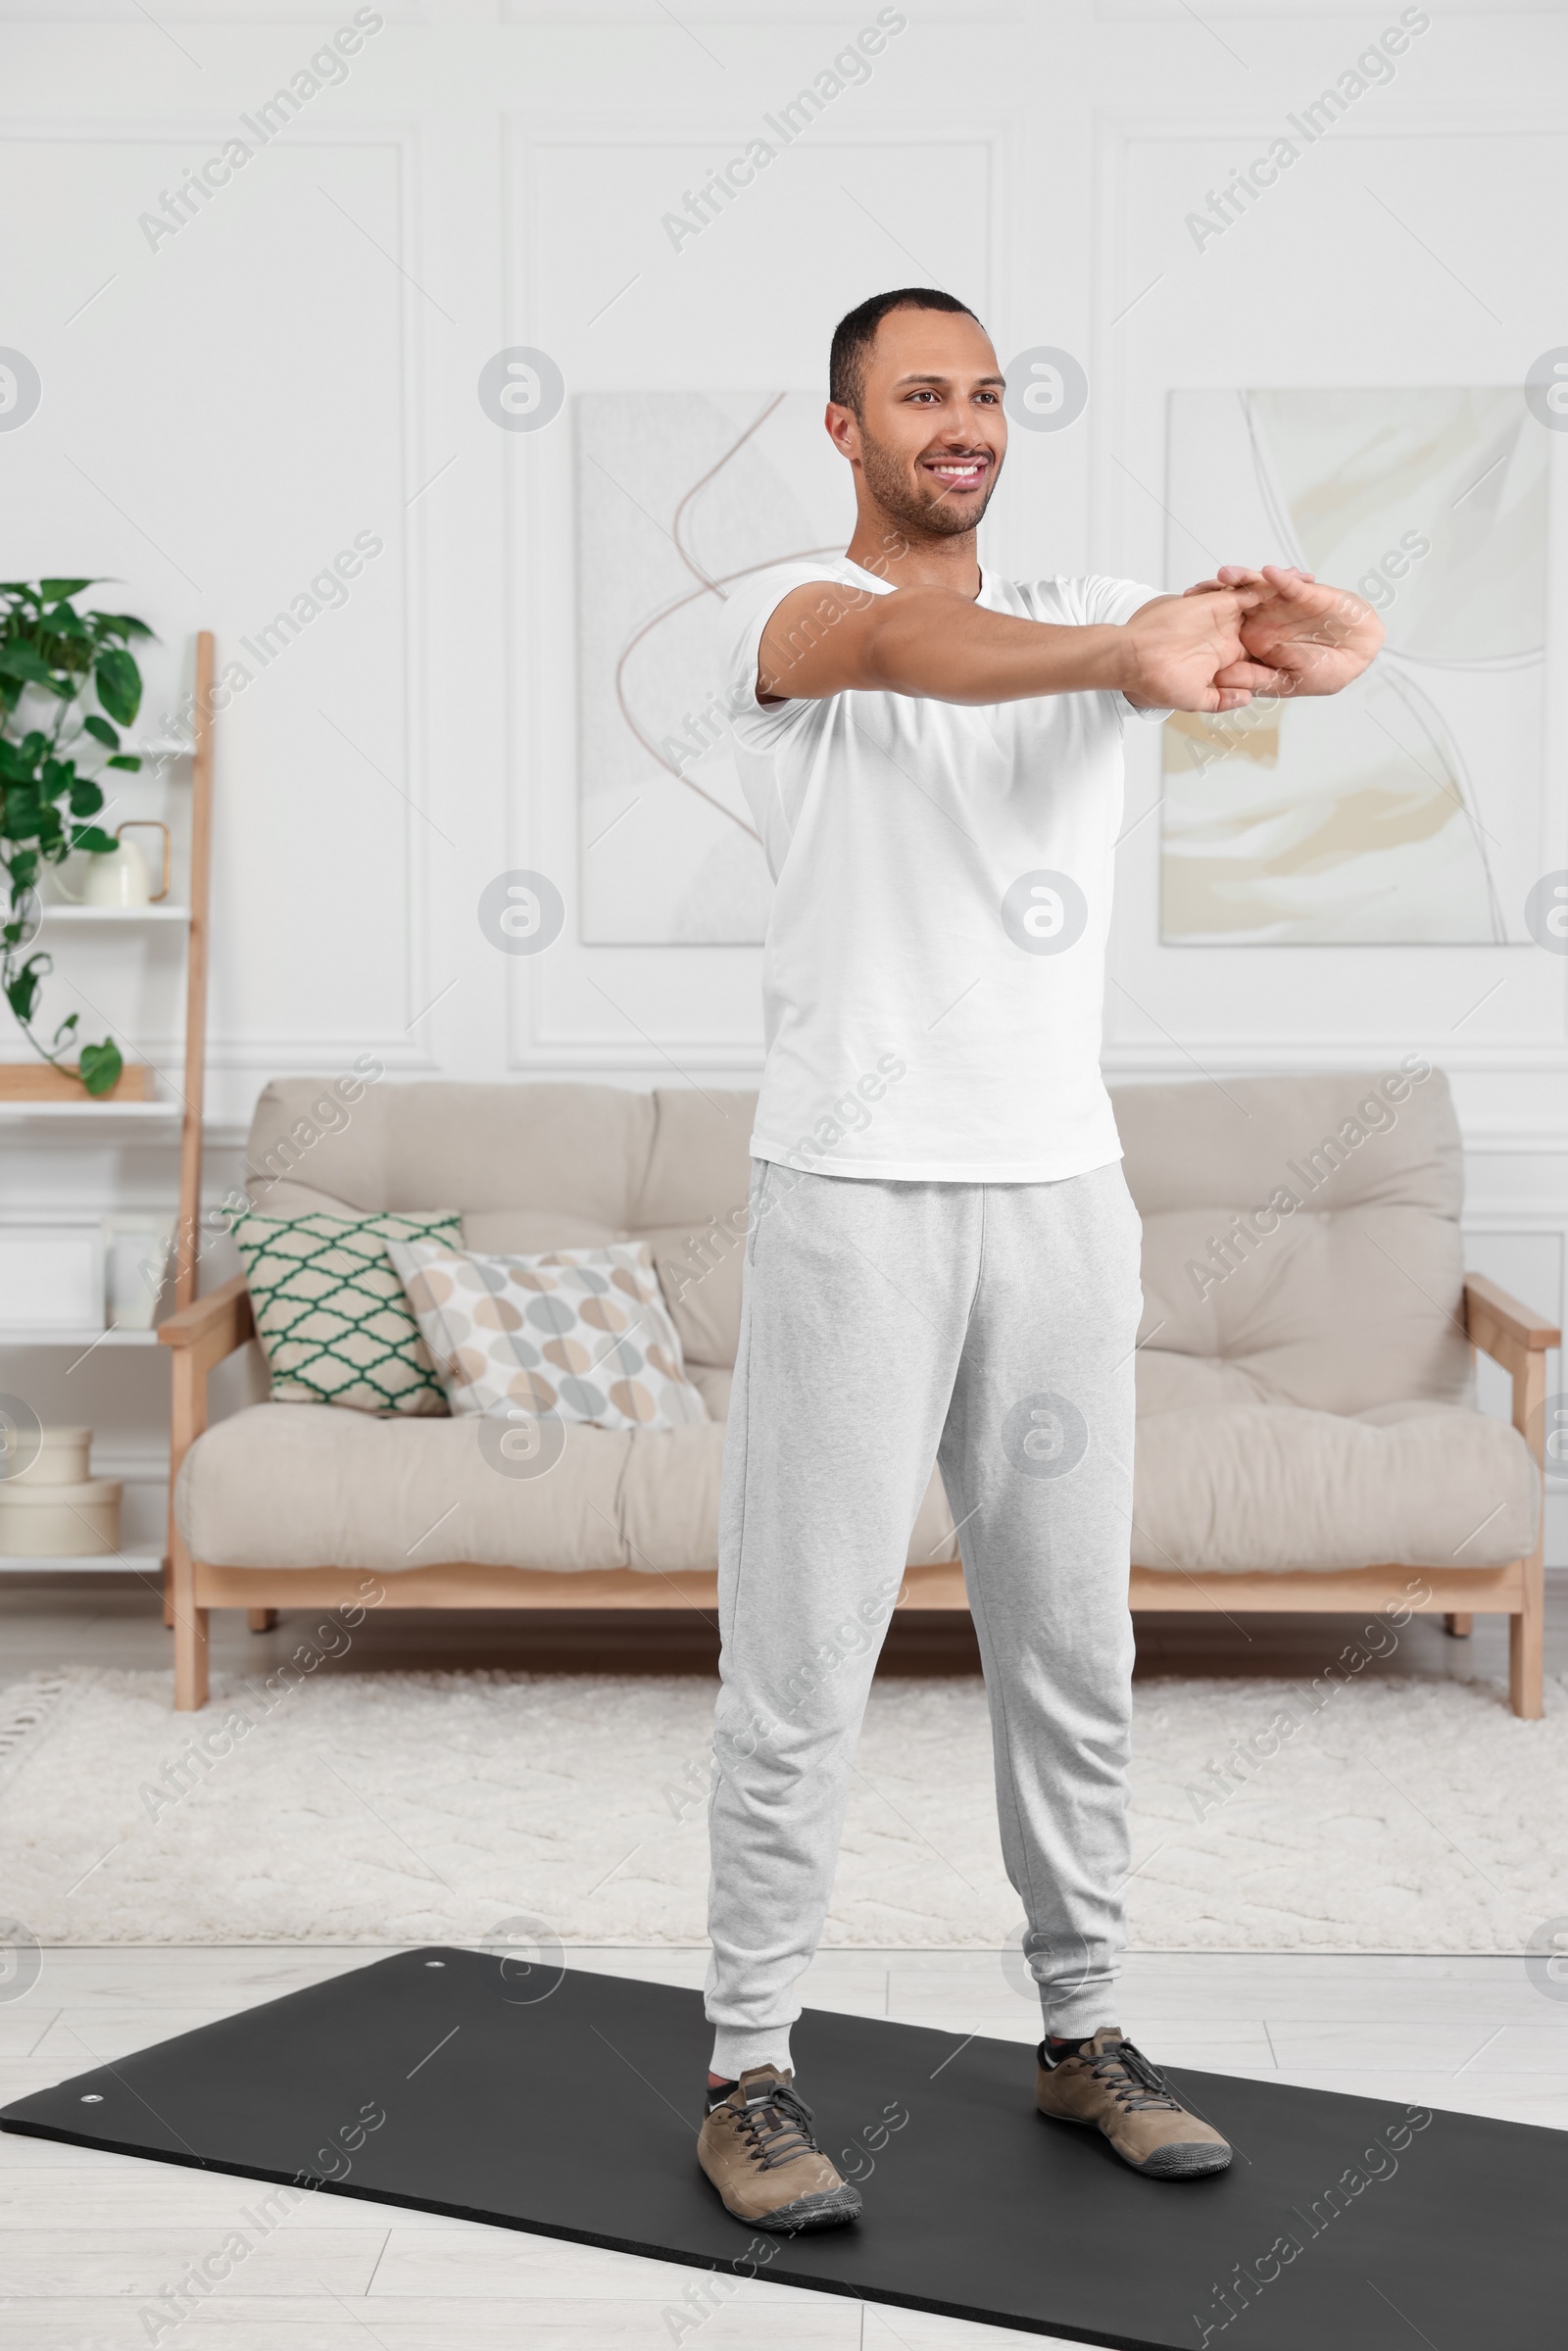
[(51, 1508)]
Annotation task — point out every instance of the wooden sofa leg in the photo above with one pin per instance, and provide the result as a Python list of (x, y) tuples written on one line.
[(1527, 1640), (190, 1660), (260, 1620), (1459, 1624), (1527, 1654), (1527, 1632), (190, 1636)]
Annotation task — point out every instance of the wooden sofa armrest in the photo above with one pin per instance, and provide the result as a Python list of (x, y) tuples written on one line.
[(215, 1325), (1498, 1325), (1518, 1340)]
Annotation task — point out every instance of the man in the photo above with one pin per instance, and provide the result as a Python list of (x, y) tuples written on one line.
[(941, 1254)]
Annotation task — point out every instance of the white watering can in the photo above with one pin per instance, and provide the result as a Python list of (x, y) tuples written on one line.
[(119, 877)]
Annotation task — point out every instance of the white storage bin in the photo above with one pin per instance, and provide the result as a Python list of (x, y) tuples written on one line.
[(58, 1522), (62, 1461), (50, 1277)]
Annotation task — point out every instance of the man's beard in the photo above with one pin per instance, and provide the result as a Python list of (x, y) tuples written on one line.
[(889, 485)]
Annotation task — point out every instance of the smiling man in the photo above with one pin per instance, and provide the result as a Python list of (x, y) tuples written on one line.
[(943, 1257)]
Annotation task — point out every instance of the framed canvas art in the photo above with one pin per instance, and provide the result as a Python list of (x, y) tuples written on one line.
[(1407, 808)]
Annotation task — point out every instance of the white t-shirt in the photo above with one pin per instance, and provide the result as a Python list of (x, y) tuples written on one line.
[(934, 967)]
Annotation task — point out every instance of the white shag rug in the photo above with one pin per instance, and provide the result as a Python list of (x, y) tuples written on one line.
[(1393, 1815)]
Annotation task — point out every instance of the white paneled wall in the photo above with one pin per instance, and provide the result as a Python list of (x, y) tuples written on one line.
[(227, 405)]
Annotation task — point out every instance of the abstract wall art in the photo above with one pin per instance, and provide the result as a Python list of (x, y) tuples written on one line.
[(1407, 809), (680, 494)]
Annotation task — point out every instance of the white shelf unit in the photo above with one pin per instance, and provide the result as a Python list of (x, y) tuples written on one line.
[(131, 1120), (55, 912), (111, 1563), (102, 1114), (113, 1337)]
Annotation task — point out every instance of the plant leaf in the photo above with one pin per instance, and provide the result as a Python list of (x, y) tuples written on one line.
[(93, 840), (19, 661), (101, 1066), (86, 797), (52, 589), (118, 682), (128, 760), (22, 991), (101, 731)]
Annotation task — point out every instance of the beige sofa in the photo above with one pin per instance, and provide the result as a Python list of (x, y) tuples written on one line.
[(1307, 1434)]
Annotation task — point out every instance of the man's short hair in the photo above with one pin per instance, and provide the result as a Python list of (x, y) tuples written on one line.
[(854, 334)]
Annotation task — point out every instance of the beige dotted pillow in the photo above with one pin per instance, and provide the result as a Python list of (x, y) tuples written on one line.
[(582, 1332)]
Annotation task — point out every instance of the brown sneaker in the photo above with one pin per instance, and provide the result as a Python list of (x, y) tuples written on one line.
[(757, 2148), (1112, 2086)]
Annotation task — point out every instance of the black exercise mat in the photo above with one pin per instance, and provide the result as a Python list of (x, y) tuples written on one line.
[(442, 2079)]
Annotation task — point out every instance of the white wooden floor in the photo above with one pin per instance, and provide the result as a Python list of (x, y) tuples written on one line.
[(89, 2242)]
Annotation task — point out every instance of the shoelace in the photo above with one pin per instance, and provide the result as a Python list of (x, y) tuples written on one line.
[(778, 2126), (1145, 2085)]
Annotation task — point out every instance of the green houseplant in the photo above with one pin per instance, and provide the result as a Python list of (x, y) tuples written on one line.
[(52, 654)]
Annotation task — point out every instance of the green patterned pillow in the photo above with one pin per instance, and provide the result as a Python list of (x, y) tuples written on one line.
[(331, 1313)]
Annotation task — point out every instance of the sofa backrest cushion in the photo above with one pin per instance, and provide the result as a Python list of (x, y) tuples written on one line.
[(530, 1167), (1347, 1300), (691, 1212), (1350, 1297)]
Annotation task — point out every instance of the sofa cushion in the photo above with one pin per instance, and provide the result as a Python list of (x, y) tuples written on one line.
[(699, 1273), (330, 1310), (302, 1486), (1228, 1489), (670, 1505), (669, 1499), (1349, 1298), (691, 1213), (580, 1333), (573, 1150), (713, 1382), (700, 1163), (530, 1232)]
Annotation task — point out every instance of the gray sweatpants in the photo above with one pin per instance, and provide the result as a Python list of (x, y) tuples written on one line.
[(885, 1325)]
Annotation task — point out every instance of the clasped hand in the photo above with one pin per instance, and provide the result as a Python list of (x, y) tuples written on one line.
[(1274, 631)]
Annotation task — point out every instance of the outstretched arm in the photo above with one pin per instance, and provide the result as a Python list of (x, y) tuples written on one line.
[(1181, 653), (1316, 637)]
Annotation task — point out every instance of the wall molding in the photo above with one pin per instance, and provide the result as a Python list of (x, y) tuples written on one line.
[(1503, 1139), (404, 140), (1257, 1056)]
